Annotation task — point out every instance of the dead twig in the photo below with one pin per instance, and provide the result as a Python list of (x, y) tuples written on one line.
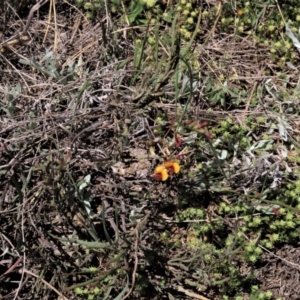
[(11, 269)]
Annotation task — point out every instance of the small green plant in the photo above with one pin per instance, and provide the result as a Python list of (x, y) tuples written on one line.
[(49, 67), (11, 96), (220, 93)]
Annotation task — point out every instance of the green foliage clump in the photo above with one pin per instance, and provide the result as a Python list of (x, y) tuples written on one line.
[(86, 293), (93, 6), (188, 18), (190, 213)]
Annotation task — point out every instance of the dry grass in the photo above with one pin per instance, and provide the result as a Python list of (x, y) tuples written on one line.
[(84, 120)]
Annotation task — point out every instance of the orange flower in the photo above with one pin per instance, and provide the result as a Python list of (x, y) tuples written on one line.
[(240, 12), (161, 173), (173, 167)]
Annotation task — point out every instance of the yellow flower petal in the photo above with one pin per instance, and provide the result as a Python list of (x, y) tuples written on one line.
[(159, 169), (161, 173), (165, 175), (173, 166)]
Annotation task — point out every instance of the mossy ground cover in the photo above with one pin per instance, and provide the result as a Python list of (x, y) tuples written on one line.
[(150, 150)]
